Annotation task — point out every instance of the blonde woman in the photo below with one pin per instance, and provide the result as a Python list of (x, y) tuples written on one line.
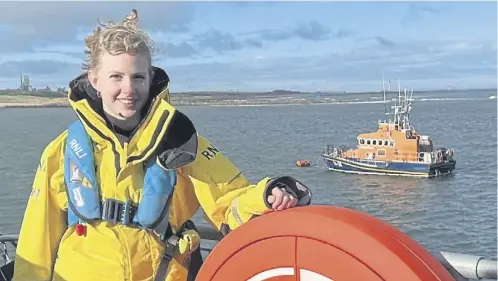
[(113, 194)]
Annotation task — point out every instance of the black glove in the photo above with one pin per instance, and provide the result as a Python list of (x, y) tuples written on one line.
[(292, 186)]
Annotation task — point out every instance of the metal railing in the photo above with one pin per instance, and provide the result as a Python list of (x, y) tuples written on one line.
[(462, 266)]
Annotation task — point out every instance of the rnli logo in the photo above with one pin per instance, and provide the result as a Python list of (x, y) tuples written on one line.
[(305, 275), (76, 147), (210, 152)]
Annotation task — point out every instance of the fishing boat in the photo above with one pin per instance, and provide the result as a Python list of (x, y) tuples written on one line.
[(396, 148)]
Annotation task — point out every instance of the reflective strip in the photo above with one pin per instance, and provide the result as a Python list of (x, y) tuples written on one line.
[(234, 178), (235, 212)]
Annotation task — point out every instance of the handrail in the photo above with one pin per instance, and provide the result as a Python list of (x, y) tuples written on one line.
[(8, 238), (468, 267)]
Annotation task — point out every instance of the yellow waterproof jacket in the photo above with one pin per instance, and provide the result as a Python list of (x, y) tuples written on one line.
[(49, 250)]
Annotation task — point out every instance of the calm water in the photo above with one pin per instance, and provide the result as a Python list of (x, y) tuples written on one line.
[(456, 213)]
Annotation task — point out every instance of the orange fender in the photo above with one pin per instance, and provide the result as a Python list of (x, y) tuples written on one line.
[(320, 243), (303, 163)]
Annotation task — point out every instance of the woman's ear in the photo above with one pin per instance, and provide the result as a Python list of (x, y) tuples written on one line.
[(92, 78), (151, 75)]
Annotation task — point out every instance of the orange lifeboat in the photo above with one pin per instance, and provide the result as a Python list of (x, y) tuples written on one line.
[(303, 163)]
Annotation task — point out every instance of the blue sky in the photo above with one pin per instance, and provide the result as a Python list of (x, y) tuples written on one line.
[(306, 46)]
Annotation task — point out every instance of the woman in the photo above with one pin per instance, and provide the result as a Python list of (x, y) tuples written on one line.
[(97, 210)]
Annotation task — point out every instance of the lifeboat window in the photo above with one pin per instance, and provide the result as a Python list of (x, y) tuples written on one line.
[(380, 142), (392, 143), (381, 152), (368, 142), (374, 142), (362, 141)]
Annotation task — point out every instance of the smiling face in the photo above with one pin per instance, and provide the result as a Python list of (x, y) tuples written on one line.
[(123, 81)]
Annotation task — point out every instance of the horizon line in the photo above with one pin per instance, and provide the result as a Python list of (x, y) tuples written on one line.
[(290, 91)]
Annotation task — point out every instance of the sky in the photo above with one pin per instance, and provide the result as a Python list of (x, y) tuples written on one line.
[(263, 46)]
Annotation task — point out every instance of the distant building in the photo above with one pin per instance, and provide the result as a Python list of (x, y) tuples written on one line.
[(25, 83)]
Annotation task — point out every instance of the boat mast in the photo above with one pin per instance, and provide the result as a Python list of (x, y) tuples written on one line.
[(406, 124), (384, 90), (399, 92), (396, 107)]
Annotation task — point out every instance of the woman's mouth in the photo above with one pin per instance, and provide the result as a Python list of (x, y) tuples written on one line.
[(127, 101)]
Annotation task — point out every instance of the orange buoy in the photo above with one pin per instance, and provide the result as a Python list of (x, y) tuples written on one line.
[(320, 243), (303, 163)]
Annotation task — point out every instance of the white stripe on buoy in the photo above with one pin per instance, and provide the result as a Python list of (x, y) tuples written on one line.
[(306, 275), (280, 271)]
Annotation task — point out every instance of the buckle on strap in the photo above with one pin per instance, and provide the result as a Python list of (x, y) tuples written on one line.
[(171, 244), (115, 211)]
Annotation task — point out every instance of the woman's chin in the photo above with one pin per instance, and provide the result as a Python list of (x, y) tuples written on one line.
[(127, 113)]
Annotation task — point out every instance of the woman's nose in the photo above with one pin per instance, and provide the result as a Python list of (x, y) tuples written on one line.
[(127, 86)]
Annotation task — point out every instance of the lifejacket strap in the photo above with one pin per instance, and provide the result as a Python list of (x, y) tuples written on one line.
[(168, 254)]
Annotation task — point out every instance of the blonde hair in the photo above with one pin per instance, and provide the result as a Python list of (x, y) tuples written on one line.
[(116, 38)]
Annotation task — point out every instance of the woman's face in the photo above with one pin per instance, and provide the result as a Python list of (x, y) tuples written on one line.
[(123, 82)]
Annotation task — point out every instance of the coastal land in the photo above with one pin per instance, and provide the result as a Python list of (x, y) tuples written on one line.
[(39, 98)]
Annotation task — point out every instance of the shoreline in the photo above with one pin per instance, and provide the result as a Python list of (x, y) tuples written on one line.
[(31, 105), (17, 101), (219, 103), (225, 104)]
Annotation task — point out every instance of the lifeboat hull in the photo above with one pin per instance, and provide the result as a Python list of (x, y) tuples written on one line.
[(398, 168)]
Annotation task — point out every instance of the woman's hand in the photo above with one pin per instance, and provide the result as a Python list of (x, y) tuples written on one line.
[(281, 199)]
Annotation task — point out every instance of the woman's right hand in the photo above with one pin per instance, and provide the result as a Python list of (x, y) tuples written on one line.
[(281, 199)]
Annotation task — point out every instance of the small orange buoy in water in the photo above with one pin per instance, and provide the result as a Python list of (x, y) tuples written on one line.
[(303, 163)]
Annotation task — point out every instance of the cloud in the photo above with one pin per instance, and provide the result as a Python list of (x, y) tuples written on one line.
[(35, 67), (245, 4), (311, 31), (40, 24), (377, 41), (384, 42), (426, 9), (222, 42), (199, 44), (181, 50), (418, 11), (362, 66), (217, 41), (416, 63), (254, 43)]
